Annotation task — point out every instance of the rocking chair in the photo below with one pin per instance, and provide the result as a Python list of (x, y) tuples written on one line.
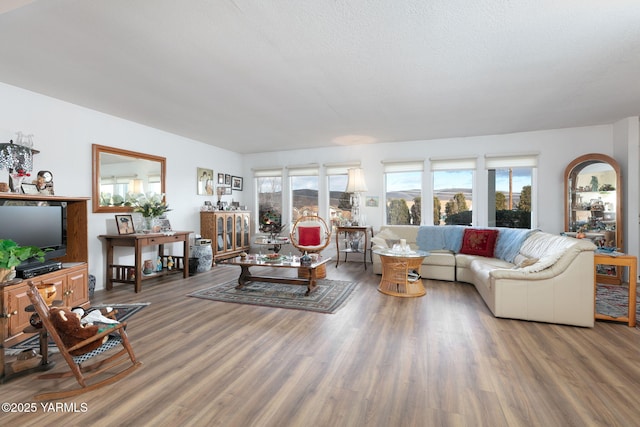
[(117, 337)]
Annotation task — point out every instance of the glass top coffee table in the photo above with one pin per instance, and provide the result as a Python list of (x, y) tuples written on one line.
[(400, 272), (279, 261)]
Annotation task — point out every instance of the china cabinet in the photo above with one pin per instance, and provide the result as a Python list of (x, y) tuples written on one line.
[(593, 205), (228, 231)]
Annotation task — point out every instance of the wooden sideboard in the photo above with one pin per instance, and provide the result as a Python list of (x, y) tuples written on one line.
[(229, 232)]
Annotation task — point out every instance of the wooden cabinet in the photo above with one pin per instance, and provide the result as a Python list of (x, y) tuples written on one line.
[(71, 289), (15, 301), (229, 232), (71, 282)]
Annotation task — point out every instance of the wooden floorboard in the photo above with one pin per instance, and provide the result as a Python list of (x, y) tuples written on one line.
[(437, 360)]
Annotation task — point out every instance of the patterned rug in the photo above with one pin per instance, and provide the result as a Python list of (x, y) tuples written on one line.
[(613, 300), (328, 297), (124, 312)]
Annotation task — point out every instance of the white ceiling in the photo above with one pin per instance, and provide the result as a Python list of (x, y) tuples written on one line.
[(260, 75)]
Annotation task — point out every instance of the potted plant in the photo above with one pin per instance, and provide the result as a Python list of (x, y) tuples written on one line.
[(12, 254), (150, 206)]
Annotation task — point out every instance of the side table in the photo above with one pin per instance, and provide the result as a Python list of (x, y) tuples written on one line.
[(348, 231), (396, 267), (631, 263)]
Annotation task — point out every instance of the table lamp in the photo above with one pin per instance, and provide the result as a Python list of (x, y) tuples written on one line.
[(356, 185)]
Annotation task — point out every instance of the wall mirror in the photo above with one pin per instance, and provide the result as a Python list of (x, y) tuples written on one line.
[(593, 203), (121, 175)]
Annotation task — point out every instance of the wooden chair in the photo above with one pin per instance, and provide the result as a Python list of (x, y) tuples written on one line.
[(84, 373), (311, 234)]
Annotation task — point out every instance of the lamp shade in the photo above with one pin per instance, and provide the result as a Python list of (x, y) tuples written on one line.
[(355, 182)]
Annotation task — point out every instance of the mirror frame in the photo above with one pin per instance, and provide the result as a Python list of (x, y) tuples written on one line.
[(97, 150), (574, 168)]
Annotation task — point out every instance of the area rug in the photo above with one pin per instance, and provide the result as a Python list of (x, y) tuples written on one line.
[(123, 312), (613, 300), (328, 297)]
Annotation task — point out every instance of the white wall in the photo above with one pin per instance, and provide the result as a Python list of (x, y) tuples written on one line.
[(556, 149), (626, 141), (63, 133)]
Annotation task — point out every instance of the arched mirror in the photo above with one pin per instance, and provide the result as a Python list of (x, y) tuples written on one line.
[(120, 174), (593, 203)]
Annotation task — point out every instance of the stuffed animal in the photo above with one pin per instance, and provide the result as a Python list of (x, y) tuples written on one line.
[(72, 332)]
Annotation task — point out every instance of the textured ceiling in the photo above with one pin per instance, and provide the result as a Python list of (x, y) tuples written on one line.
[(259, 75)]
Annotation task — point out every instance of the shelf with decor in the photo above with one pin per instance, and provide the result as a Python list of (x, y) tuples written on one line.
[(593, 202)]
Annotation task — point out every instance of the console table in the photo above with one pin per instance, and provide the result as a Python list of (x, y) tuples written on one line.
[(133, 274), (349, 231), (631, 263)]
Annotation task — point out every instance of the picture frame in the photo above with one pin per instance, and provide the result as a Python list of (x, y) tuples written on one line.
[(204, 181), (165, 224), (237, 183), (372, 201), (227, 179), (221, 178), (227, 191), (29, 188), (124, 224)]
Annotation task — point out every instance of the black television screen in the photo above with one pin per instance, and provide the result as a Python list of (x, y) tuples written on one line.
[(35, 223)]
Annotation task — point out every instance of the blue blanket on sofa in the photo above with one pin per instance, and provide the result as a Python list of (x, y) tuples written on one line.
[(509, 242), (449, 237), (440, 237)]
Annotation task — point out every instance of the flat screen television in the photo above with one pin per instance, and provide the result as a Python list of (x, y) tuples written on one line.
[(35, 223)]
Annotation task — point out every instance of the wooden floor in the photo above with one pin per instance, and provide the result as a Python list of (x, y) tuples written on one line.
[(438, 360)]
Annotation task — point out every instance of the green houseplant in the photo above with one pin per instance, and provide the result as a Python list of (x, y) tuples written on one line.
[(12, 254), (151, 206)]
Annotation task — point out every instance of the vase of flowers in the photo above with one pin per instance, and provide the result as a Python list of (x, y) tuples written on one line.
[(151, 207)]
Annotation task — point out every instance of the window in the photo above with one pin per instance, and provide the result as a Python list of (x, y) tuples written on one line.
[(304, 191), (269, 196), (510, 190), (339, 200), (452, 191), (403, 192)]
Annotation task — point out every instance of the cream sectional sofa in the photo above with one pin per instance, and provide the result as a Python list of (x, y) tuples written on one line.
[(533, 275)]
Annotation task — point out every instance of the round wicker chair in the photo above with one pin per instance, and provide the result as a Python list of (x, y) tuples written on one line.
[(311, 234)]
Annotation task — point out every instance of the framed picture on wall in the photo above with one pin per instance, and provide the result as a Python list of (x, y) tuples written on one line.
[(221, 178), (372, 201), (205, 182), (124, 223), (227, 191), (236, 183), (227, 179)]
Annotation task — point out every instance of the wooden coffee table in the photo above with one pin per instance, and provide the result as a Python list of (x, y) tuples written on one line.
[(310, 281)]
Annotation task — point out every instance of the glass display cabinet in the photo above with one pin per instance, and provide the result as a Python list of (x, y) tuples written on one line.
[(593, 205)]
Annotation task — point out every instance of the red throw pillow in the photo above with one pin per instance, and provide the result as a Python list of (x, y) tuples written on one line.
[(479, 242), (309, 236)]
